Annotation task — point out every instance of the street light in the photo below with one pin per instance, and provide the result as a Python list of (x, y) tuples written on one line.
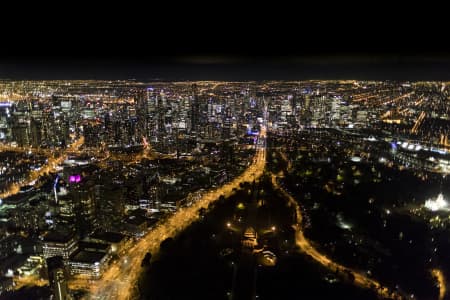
[(228, 224), (273, 228)]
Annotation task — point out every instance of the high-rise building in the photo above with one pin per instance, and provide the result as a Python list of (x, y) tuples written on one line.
[(109, 200), (141, 115), (195, 109), (335, 115), (91, 133), (151, 114), (59, 244), (35, 132), (83, 197), (307, 101), (20, 129), (48, 123), (57, 276), (5, 115), (160, 111), (227, 124)]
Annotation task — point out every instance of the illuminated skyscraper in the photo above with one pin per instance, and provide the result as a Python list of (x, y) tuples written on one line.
[(227, 124), (59, 244), (151, 114), (195, 109), (85, 208), (75, 201), (20, 129), (160, 111), (142, 115), (109, 200), (35, 133)]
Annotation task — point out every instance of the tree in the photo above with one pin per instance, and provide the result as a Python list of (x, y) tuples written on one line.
[(201, 212), (166, 245), (146, 261)]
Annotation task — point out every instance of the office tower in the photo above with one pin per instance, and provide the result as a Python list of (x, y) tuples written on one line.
[(59, 244), (85, 211), (91, 133), (195, 109), (161, 113), (35, 132), (335, 115), (109, 200), (141, 115), (19, 129), (227, 124)]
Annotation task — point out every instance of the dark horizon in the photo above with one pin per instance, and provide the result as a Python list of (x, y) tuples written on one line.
[(235, 46), (326, 66)]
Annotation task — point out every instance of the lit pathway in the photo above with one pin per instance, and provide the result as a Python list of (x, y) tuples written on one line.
[(441, 281), (307, 248)]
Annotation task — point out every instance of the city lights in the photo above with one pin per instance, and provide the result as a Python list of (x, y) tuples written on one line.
[(328, 180)]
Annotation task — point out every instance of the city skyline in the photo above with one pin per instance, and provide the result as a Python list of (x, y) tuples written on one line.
[(224, 152)]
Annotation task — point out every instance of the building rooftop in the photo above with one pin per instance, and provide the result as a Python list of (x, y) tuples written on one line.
[(59, 237), (136, 220), (89, 257), (91, 246), (108, 236)]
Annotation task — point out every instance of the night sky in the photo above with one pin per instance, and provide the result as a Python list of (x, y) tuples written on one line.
[(227, 67), (145, 47)]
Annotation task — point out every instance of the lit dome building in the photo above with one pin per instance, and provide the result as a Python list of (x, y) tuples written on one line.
[(250, 238), (437, 204)]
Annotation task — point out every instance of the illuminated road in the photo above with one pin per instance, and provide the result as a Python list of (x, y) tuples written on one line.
[(307, 248), (418, 122), (441, 282), (49, 167), (120, 280), (399, 98), (9, 148)]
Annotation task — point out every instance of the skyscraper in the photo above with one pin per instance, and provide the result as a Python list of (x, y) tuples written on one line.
[(142, 115), (195, 109), (84, 206), (35, 133), (227, 123), (20, 129)]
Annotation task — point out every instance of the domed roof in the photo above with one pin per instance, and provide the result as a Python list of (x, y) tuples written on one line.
[(250, 232)]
